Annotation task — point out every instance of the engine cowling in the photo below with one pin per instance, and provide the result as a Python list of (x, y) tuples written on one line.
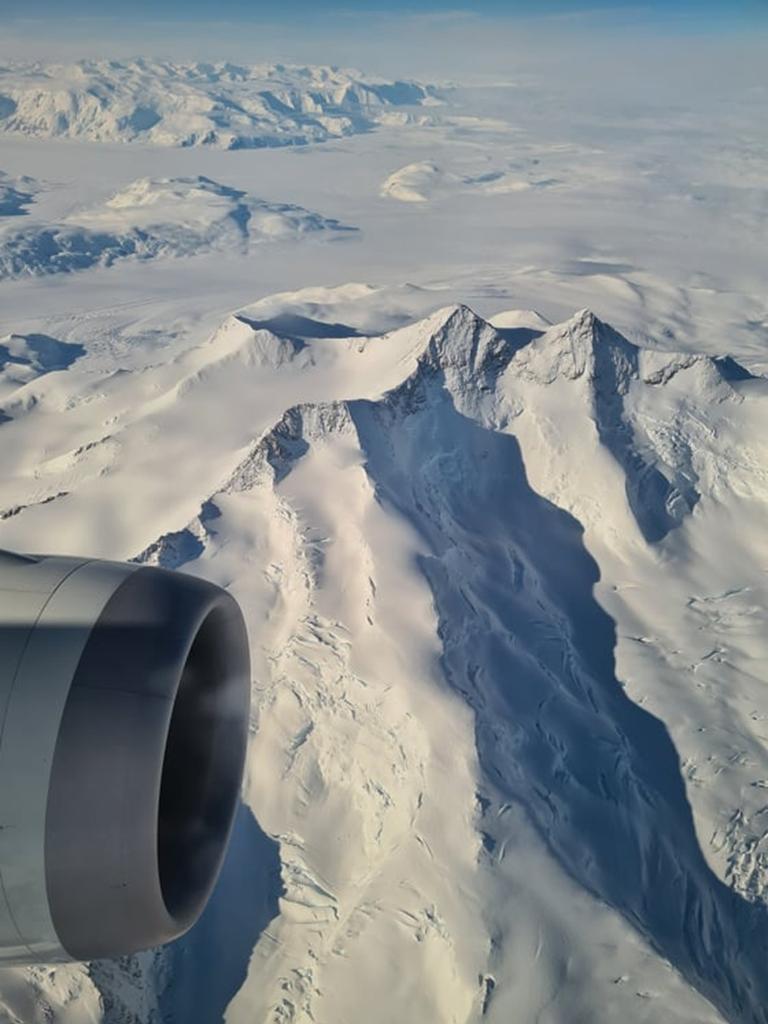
[(124, 705)]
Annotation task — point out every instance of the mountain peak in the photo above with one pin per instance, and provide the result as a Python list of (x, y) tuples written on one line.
[(583, 346), (460, 340), (584, 316)]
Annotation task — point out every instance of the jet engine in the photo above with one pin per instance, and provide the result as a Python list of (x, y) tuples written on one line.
[(124, 704)]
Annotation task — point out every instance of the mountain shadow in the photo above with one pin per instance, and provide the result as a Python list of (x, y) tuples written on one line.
[(38, 351), (209, 964), (532, 652)]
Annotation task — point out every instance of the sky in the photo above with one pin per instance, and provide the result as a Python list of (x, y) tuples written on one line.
[(716, 11), (438, 39)]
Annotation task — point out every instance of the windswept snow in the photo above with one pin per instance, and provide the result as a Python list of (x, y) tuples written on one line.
[(157, 217), (198, 104)]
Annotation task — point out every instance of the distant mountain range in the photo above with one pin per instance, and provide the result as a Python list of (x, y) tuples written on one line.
[(195, 104)]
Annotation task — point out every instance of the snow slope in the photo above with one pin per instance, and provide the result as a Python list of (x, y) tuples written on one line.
[(507, 755), (198, 104), (154, 217)]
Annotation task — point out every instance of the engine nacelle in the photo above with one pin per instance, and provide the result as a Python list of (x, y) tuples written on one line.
[(124, 705)]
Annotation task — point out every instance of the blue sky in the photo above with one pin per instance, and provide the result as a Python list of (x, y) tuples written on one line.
[(455, 39), (715, 12)]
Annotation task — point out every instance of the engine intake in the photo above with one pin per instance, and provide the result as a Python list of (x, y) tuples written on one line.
[(124, 702)]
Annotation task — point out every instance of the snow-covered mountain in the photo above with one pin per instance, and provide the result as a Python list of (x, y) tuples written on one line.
[(505, 587), (25, 357), (198, 104), (154, 217), (425, 180), (16, 194)]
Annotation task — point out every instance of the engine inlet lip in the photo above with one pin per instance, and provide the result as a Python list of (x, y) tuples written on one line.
[(202, 769), (147, 766)]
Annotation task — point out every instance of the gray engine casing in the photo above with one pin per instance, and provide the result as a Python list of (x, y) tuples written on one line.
[(124, 705)]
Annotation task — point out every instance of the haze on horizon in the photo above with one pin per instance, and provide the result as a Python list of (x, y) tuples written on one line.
[(634, 43)]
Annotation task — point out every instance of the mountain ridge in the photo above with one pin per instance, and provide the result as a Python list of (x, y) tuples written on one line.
[(491, 640), (197, 104)]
